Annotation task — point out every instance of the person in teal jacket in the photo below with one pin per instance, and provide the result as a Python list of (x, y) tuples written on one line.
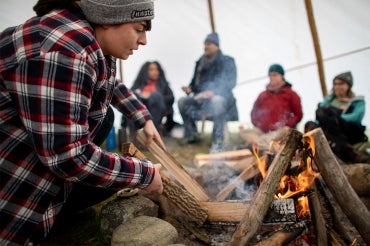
[(340, 116)]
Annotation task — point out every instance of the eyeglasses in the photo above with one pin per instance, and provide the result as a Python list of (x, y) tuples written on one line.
[(338, 83)]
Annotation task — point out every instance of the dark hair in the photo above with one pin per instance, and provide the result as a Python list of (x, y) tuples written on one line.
[(43, 7), (143, 77)]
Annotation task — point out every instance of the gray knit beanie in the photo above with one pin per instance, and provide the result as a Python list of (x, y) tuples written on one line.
[(345, 77), (117, 11), (212, 38)]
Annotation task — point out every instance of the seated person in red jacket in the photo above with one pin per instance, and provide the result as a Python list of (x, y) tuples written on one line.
[(278, 105)]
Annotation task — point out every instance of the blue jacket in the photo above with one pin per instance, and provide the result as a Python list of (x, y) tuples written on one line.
[(355, 111), (219, 77)]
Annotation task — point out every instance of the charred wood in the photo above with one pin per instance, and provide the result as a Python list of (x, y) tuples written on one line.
[(338, 184), (266, 192)]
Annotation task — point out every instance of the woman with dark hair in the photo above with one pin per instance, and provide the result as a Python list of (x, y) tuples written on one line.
[(57, 82), (152, 88)]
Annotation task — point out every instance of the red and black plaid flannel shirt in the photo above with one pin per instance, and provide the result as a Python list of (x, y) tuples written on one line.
[(55, 87)]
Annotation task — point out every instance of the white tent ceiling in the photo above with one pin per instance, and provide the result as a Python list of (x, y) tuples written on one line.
[(256, 33)]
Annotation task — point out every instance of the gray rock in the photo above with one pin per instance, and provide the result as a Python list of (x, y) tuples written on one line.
[(144, 231), (120, 210)]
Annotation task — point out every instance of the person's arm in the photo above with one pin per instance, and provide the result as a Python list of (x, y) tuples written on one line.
[(54, 96), (356, 114), (225, 79), (296, 108), (255, 115)]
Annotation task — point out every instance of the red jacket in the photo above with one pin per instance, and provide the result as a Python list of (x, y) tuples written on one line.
[(275, 109)]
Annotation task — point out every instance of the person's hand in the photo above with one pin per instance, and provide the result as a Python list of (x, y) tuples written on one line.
[(145, 94), (152, 134), (204, 95), (156, 185), (186, 89), (208, 94)]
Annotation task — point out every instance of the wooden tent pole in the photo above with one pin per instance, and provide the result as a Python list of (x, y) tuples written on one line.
[(210, 7), (316, 43)]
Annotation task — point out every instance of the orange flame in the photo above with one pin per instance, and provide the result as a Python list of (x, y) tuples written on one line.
[(303, 207), (292, 185), (261, 163)]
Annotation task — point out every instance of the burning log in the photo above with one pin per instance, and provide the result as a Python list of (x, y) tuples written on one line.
[(285, 236), (318, 219), (180, 197), (176, 169), (247, 173), (340, 221), (338, 184), (266, 192)]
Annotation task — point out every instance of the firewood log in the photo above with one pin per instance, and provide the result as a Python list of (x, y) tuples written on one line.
[(201, 159), (175, 168), (338, 222), (247, 173), (317, 217), (225, 211), (264, 196), (177, 195), (338, 184)]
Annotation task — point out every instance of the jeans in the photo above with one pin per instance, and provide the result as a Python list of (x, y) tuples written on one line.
[(192, 110)]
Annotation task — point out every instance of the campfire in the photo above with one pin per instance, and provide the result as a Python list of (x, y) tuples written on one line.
[(298, 187)]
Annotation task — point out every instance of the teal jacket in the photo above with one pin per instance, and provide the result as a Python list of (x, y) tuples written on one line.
[(355, 111)]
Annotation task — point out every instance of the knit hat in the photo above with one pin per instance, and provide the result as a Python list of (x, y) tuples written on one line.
[(213, 38), (117, 11), (345, 77), (276, 68)]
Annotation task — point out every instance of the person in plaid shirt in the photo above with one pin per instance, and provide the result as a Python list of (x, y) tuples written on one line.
[(57, 80)]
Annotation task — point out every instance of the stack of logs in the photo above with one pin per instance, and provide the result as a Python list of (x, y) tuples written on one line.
[(193, 200)]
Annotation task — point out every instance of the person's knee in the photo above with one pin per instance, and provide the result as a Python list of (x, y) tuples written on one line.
[(218, 104), (156, 96), (183, 102)]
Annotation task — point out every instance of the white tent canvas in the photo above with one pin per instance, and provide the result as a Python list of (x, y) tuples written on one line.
[(256, 33)]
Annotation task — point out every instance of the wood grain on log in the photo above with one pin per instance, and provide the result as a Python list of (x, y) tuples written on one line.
[(175, 168), (338, 184), (177, 195), (317, 217), (338, 221), (266, 192), (225, 211)]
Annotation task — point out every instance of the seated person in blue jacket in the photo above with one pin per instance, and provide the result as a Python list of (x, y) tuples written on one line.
[(210, 93), (152, 88), (340, 117)]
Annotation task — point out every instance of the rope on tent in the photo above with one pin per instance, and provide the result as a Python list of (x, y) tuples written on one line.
[(250, 81)]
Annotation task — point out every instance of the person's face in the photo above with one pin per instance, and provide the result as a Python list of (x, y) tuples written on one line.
[(340, 88), (210, 49), (121, 40), (276, 79), (153, 71)]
